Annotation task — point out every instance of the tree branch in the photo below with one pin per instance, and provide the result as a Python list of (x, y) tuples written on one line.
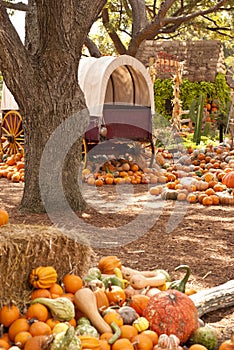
[(139, 19), (92, 47), (188, 17), (160, 21), (112, 33), (19, 6)]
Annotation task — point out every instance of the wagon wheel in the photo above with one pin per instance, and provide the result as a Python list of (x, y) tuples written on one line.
[(150, 145), (12, 132), (143, 152), (84, 153)]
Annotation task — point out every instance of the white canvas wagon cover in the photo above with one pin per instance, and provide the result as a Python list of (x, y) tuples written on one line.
[(107, 80), (115, 80)]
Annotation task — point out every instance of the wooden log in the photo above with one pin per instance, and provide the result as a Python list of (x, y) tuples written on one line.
[(214, 298)]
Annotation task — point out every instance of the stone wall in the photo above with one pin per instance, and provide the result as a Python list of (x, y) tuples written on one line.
[(202, 59)]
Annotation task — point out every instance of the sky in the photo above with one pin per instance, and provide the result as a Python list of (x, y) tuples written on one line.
[(18, 20)]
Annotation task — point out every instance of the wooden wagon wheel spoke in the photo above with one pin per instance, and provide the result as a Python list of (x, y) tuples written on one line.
[(84, 153), (12, 129), (19, 133)]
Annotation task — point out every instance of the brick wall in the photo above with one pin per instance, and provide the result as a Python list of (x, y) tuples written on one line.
[(203, 59)]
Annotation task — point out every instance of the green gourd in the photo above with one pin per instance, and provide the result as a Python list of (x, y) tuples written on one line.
[(62, 340), (61, 308), (205, 336), (86, 329), (181, 284)]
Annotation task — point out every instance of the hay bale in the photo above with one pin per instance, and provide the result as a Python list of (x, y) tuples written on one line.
[(24, 247)]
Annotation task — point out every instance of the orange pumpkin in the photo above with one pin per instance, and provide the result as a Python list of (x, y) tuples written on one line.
[(4, 344), (138, 302), (215, 199), (19, 325), (21, 338), (72, 283), (37, 311), (8, 314), (128, 331), (207, 200), (36, 343), (122, 344), (4, 217), (113, 316), (191, 198), (99, 182), (40, 293), (197, 347), (227, 344), (228, 179), (143, 342), (39, 328), (115, 295), (56, 291), (153, 335), (172, 312), (104, 345)]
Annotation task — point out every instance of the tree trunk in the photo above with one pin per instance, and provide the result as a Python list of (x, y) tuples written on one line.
[(42, 75)]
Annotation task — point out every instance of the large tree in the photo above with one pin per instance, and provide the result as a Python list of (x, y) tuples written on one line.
[(42, 76), (130, 22)]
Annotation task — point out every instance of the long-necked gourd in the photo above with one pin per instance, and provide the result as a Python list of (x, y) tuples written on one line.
[(85, 301)]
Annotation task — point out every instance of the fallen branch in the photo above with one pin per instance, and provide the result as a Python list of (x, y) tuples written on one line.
[(214, 298)]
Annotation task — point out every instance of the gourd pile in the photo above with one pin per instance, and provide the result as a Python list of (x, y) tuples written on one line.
[(111, 308)]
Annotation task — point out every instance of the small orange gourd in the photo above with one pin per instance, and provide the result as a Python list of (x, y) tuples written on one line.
[(107, 264), (43, 277), (89, 342), (101, 298)]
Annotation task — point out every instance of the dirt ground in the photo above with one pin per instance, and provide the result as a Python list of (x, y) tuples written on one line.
[(161, 236)]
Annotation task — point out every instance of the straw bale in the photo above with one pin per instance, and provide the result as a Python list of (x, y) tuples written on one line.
[(24, 247)]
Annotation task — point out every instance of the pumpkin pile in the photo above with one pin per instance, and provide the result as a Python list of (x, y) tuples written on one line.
[(203, 176), (110, 308), (12, 167)]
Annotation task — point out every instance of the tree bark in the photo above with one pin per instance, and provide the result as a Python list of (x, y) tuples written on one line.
[(43, 79)]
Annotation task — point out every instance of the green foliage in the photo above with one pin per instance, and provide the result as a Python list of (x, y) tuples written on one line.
[(205, 140), (218, 91), (163, 91)]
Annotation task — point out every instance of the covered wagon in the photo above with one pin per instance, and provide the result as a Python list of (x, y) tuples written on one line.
[(119, 96)]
